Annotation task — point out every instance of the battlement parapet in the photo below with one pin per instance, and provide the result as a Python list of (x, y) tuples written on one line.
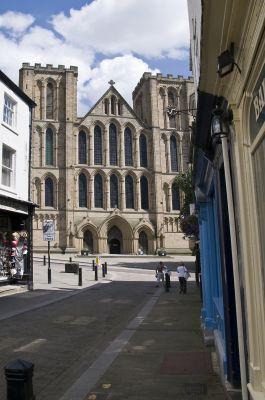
[(169, 78), (49, 67)]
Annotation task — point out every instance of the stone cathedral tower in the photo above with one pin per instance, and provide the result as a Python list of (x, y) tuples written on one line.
[(107, 178)]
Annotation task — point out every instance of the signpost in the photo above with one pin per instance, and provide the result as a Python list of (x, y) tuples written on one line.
[(49, 235)]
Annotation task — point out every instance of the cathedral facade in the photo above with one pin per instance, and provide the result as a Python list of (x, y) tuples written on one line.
[(107, 178)]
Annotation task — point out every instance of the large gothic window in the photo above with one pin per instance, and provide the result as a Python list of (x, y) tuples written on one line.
[(144, 193), (49, 101), (82, 148), (143, 151), (113, 154), (128, 147), (98, 191), (97, 145), (175, 197), (49, 147), (49, 192), (173, 153), (129, 191), (114, 191), (82, 183)]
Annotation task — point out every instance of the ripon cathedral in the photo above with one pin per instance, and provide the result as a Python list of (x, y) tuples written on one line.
[(107, 178)]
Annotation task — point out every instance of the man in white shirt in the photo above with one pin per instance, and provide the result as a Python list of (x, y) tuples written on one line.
[(183, 275)]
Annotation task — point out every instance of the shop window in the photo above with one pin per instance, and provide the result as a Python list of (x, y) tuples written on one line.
[(9, 112), (129, 191), (49, 191), (173, 154), (144, 193), (49, 101), (8, 166), (49, 147), (98, 191), (82, 148), (113, 156), (114, 191), (82, 183), (175, 197), (97, 145), (128, 147), (143, 151)]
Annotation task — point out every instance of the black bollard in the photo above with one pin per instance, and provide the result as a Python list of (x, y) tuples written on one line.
[(70, 259), (106, 268), (167, 283), (96, 273), (103, 270), (49, 275), (44, 260), (80, 282), (93, 265), (19, 375)]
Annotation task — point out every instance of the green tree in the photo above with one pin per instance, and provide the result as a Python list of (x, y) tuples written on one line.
[(185, 184)]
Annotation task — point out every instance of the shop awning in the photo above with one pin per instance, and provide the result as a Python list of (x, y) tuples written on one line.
[(9, 204)]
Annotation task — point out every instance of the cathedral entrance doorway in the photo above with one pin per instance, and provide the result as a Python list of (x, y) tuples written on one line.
[(115, 240), (88, 241), (143, 242)]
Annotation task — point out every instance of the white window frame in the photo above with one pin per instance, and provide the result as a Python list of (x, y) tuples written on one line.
[(11, 169), (9, 111)]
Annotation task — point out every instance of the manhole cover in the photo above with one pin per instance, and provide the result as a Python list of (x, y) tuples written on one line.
[(196, 388), (187, 363)]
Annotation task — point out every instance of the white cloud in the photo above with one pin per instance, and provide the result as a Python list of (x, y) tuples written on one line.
[(123, 31), (16, 22), (150, 28), (126, 71)]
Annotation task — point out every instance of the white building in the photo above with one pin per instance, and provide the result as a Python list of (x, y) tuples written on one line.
[(15, 136)]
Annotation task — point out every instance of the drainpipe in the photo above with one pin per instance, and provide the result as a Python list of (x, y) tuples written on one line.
[(232, 227)]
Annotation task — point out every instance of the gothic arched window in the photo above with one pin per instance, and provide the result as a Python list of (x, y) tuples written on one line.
[(144, 193), (106, 106), (171, 98), (82, 148), (114, 191), (97, 145), (49, 192), (98, 191), (175, 197), (112, 104), (113, 154), (49, 101), (143, 151), (119, 107), (49, 147), (129, 191), (173, 153), (82, 187), (128, 146)]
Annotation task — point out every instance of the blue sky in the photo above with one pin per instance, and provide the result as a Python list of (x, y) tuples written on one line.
[(118, 39)]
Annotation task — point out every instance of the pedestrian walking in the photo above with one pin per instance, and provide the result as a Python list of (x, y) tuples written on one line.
[(160, 274), (183, 275)]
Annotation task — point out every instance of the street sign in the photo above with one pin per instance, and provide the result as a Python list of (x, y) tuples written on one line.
[(48, 230)]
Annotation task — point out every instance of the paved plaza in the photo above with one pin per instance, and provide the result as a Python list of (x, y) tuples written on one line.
[(118, 338)]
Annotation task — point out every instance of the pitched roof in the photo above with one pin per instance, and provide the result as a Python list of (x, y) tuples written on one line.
[(115, 91)]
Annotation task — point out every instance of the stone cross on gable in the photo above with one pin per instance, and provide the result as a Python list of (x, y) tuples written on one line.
[(111, 82)]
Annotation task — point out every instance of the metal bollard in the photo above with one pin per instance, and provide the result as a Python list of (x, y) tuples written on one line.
[(106, 268), (44, 260), (167, 282), (96, 273), (70, 259), (80, 282), (19, 375), (93, 265), (103, 270), (49, 275)]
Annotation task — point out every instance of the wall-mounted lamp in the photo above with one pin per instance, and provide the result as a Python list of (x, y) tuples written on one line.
[(226, 62), (220, 123)]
